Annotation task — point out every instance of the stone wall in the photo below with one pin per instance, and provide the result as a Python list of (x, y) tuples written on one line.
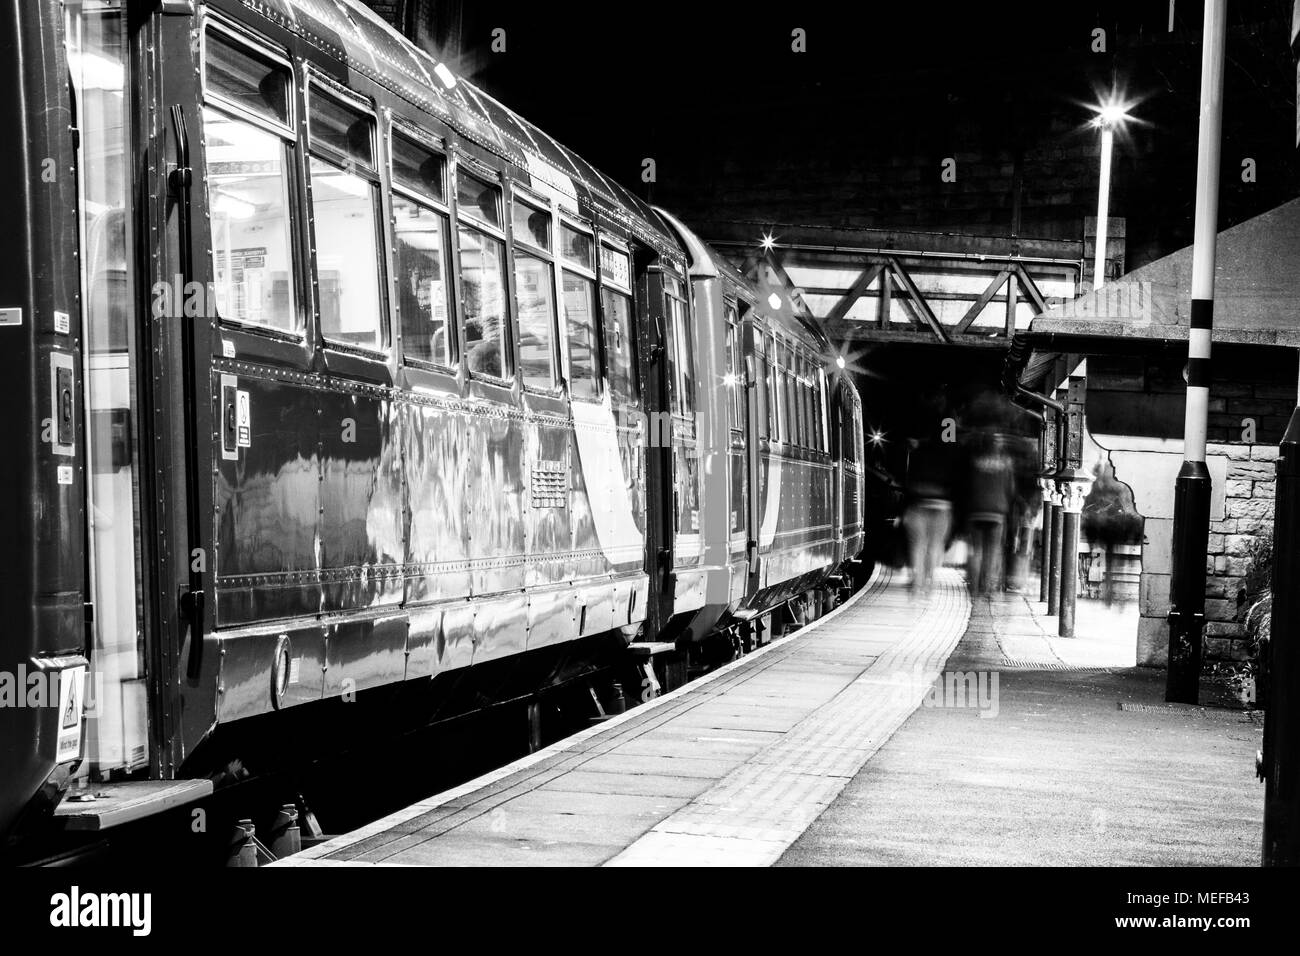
[(1135, 409), (1248, 516), (1241, 512)]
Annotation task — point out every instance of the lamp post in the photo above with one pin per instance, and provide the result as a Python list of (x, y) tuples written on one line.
[(1108, 117)]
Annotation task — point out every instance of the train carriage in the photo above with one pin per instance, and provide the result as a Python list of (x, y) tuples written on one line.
[(333, 378)]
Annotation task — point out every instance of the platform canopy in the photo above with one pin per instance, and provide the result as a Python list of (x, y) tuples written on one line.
[(1256, 293)]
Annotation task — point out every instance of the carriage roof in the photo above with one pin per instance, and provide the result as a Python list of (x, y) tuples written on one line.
[(356, 36)]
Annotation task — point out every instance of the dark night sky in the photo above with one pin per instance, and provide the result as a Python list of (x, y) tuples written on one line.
[(852, 132), (742, 127)]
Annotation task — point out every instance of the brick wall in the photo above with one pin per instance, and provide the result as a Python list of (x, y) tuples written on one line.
[(1133, 395)]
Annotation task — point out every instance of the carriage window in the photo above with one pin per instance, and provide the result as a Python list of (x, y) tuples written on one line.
[(248, 202), (346, 131), (483, 301), (345, 216), (576, 248), (422, 253), (531, 225), (847, 420), (682, 362), (615, 267), (246, 80), (773, 392), (616, 308), (800, 385), (801, 399), (535, 298), (620, 348), (735, 371), (580, 322), (790, 400), (423, 293), (421, 171), (822, 443), (478, 199)]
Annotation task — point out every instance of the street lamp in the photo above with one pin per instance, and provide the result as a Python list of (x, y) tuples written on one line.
[(1109, 115)]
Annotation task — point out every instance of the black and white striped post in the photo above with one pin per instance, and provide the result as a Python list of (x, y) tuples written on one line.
[(1192, 491)]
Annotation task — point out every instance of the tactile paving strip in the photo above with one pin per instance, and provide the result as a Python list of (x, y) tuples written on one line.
[(753, 814), (728, 769)]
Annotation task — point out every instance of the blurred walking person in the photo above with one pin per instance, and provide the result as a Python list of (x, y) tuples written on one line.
[(990, 494), (927, 517)]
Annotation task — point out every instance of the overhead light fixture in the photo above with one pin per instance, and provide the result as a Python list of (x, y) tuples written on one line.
[(445, 75), (768, 242), (839, 361), (774, 301)]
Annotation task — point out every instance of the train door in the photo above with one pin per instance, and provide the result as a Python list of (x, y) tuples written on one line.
[(737, 383), (837, 453), (98, 40), (760, 410), (688, 538), (658, 474)]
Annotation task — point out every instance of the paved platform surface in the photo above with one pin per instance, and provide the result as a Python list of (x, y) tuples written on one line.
[(890, 732), (1084, 764), (727, 770)]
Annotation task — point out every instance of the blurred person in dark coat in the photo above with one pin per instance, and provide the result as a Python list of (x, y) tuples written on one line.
[(927, 515), (990, 494)]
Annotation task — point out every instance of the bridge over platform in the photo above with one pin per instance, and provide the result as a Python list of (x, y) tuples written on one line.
[(889, 285)]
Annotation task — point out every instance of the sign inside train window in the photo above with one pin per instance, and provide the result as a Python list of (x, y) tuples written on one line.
[(614, 267)]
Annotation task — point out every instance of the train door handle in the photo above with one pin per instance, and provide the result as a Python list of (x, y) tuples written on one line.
[(63, 386), (229, 420)]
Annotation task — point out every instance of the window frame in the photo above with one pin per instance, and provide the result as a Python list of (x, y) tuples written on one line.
[(238, 37), (734, 360), (400, 126), (776, 393), (559, 376), (682, 346), (593, 275), (617, 245), (790, 398), (464, 164), (300, 290), (806, 394), (397, 126), (758, 344), (823, 405), (326, 153)]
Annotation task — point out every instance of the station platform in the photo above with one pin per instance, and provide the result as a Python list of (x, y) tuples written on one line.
[(891, 731)]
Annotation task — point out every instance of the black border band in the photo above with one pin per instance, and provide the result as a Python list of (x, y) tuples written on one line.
[(1202, 314), (1198, 372)]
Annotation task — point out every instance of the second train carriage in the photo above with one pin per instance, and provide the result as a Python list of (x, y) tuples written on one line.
[(359, 382), (774, 464)]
